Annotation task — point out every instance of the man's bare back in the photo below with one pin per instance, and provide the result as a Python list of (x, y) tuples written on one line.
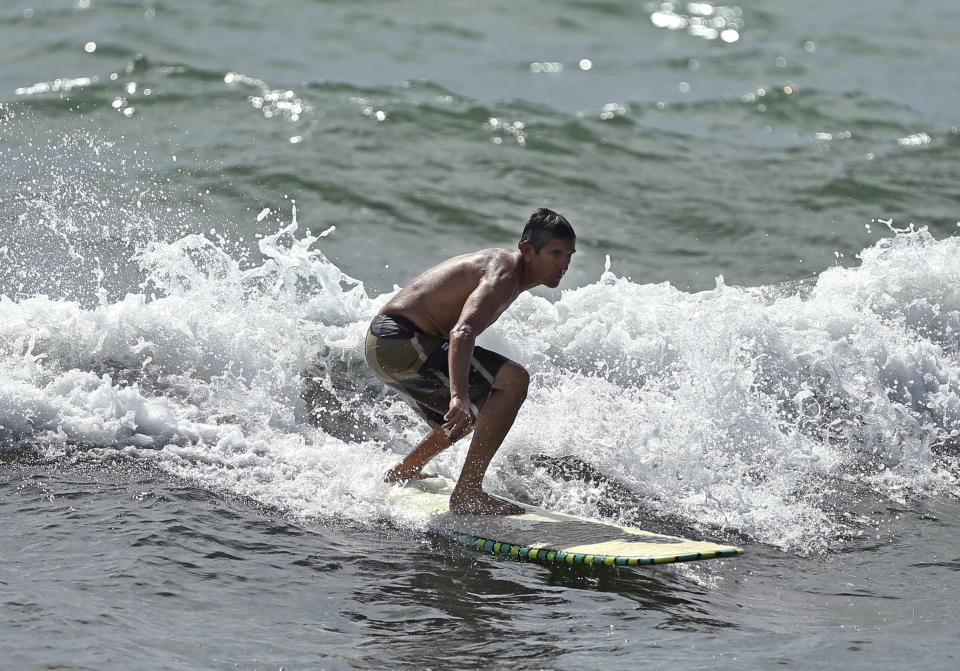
[(435, 299), (454, 302)]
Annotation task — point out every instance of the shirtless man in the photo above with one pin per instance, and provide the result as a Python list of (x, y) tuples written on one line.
[(422, 345)]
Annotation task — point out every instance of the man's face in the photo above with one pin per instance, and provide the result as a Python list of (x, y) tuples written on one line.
[(552, 261)]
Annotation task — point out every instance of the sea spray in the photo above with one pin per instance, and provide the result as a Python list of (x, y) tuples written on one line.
[(756, 411)]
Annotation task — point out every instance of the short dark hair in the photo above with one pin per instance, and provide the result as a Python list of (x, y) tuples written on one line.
[(543, 226)]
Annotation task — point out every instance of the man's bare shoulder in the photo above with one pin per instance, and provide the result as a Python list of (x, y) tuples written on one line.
[(500, 262), (485, 264)]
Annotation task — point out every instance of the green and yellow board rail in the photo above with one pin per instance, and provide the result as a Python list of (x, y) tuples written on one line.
[(546, 536), (521, 552)]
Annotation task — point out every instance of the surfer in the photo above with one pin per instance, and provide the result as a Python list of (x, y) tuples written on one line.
[(421, 344)]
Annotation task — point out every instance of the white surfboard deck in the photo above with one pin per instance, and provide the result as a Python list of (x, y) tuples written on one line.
[(547, 536)]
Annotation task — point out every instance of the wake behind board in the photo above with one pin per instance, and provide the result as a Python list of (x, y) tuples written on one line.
[(546, 536)]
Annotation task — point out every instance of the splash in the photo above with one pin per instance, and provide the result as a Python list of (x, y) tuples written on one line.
[(765, 414), (72, 216), (769, 412)]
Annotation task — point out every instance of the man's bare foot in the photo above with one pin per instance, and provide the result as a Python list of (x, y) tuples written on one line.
[(398, 474), (481, 503)]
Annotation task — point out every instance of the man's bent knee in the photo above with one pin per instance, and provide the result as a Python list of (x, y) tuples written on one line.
[(512, 377)]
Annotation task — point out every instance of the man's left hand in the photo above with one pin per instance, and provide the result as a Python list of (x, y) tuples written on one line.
[(459, 420)]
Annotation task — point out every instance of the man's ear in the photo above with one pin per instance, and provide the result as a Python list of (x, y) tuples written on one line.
[(526, 248)]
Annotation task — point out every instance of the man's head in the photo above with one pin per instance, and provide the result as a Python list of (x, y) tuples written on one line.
[(545, 225), (547, 245)]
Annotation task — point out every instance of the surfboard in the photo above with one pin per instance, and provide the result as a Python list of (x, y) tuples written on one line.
[(547, 536)]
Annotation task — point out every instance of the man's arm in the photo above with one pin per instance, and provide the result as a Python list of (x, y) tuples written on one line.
[(480, 310)]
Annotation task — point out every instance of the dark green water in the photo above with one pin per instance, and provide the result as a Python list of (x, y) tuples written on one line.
[(192, 444)]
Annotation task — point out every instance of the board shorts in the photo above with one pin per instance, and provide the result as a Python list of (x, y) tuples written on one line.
[(415, 365)]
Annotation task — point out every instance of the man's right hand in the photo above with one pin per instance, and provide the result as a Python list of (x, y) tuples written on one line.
[(459, 421)]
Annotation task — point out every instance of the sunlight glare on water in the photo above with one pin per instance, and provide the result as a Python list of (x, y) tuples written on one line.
[(700, 19)]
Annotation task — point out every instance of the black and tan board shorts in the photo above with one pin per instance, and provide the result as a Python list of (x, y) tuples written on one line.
[(415, 365)]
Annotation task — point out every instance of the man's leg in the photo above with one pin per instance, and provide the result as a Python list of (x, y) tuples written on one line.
[(411, 468), (496, 417)]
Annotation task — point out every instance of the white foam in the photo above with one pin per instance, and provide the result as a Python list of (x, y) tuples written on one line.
[(750, 410), (738, 410)]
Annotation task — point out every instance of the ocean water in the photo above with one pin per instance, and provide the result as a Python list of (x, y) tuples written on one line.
[(203, 204)]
